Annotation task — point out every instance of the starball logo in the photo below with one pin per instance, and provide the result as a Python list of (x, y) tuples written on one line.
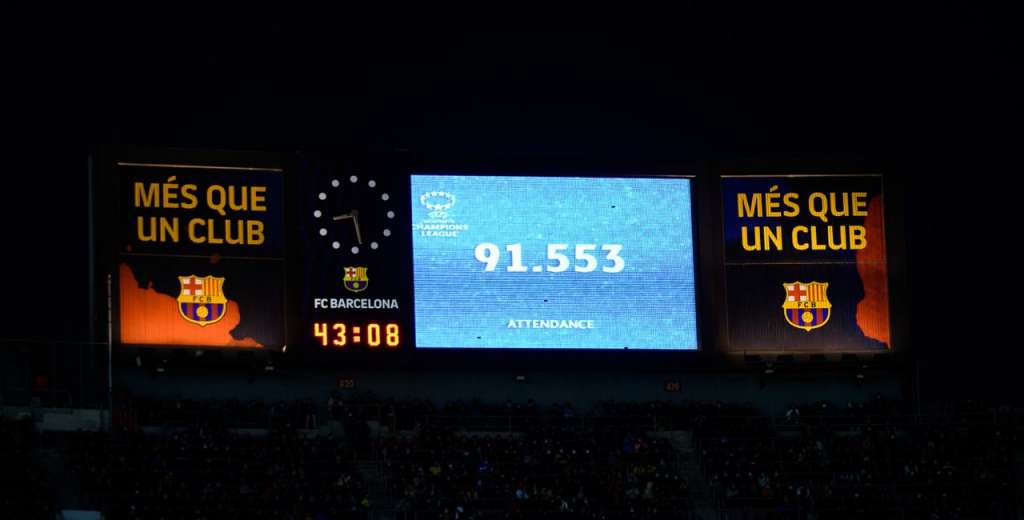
[(440, 222), (438, 202)]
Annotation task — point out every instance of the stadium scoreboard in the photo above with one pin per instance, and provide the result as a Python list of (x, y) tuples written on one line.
[(553, 262), (405, 260), (481, 262)]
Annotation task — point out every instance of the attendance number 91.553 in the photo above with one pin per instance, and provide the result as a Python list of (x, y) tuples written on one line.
[(585, 258)]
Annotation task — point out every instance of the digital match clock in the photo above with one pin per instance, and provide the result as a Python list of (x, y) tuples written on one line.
[(358, 294), (371, 334)]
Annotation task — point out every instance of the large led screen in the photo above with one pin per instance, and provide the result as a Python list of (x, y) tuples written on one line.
[(201, 256), (357, 291), (805, 263), (553, 263)]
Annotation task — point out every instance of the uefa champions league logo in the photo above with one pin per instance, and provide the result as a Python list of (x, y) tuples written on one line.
[(438, 202), (439, 223)]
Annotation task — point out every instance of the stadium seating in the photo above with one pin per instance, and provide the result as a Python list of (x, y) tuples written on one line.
[(25, 489), (358, 456)]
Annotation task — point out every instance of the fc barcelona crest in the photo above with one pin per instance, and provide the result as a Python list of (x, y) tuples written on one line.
[(202, 299), (806, 305), (355, 279)]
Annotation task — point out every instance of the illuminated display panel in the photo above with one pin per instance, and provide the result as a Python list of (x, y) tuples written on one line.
[(200, 255), (805, 263), (371, 334), (357, 290), (553, 263)]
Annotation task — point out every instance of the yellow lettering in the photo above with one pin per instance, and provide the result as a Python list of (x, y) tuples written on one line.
[(254, 233), (789, 200), (756, 246), (141, 229), (258, 198), (195, 237), (844, 198), (233, 238), (814, 240), (242, 196), (860, 204), (170, 192), (817, 205), (211, 232), (215, 198), (748, 207), (772, 202), (147, 195), (797, 244), (764, 238), (772, 238), (188, 192), (831, 238), (235, 232), (168, 228), (858, 237)]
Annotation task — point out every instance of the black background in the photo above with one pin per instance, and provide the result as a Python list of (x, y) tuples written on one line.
[(922, 92)]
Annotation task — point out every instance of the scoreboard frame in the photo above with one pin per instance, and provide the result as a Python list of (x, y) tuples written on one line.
[(106, 178), (409, 357), (713, 352)]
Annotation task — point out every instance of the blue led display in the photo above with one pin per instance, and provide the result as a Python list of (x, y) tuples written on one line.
[(555, 263)]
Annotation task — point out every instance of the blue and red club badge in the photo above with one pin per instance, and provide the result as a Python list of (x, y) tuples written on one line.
[(355, 279), (201, 300), (806, 305)]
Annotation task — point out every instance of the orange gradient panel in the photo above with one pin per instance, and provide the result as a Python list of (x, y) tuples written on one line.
[(873, 310), (151, 318)]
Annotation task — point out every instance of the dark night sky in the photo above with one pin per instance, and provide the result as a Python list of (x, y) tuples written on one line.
[(912, 91)]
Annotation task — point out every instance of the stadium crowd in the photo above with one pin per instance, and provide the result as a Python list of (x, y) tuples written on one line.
[(562, 469), (204, 471), (24, 486), (470, 460), (865, 461)]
